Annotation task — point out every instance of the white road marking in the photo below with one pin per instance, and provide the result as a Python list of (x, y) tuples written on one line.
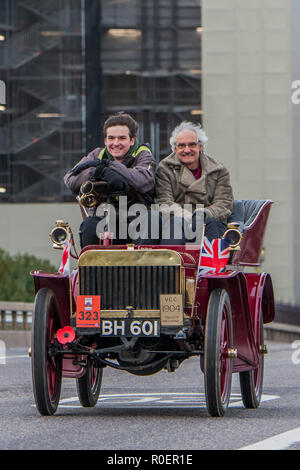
[(15, 357), (156, 399), (239, 403), (279, 442)]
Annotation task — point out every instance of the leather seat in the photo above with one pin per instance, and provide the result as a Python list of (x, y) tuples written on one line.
[(245, 211), (252, 216)]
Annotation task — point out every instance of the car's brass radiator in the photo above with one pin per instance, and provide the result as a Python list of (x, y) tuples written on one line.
[(121, 286)]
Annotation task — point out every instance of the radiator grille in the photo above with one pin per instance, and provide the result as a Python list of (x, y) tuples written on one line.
[(120, 286)]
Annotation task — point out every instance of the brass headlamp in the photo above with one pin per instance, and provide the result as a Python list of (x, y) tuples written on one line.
[(59, 234), (233, 235)]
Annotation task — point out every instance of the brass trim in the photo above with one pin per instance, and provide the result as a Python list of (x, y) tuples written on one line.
[(190, 291), (263, 349), (129, 258), (124, 314), (188, 255), (182, 283), (231, 352), (136, 314)]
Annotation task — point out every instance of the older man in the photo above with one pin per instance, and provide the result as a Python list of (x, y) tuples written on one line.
[(188, 177), (123, 163)]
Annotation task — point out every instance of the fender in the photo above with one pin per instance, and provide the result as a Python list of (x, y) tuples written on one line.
[(61, 286), (261, 296), (235, 284)]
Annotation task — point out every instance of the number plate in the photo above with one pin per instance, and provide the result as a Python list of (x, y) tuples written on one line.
[(88, 316), (118, 326), (146, 327), (88, 311)]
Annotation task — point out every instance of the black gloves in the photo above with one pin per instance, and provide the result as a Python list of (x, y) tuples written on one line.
[(98, 175), (116, 182), (99, 166)]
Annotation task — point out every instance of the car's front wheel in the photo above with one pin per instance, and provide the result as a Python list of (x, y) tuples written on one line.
[(217, 361), (46, 366)]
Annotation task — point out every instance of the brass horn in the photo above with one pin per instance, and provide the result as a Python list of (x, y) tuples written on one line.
[(89, 196)]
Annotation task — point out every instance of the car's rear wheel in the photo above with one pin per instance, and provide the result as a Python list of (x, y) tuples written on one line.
[(217, 360), (89, 385), (46, 367), (251, 381)]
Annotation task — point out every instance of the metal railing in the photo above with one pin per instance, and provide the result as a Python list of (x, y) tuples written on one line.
[(15, 315)]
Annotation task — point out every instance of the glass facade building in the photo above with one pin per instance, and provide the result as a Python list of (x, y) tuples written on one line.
[(68, 64)]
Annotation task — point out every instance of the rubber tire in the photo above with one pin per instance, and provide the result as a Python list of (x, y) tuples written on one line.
[(251, 381), (46, 370), (89, 385), (217, 365)]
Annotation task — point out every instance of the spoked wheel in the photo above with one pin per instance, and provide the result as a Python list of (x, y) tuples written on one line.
[(251, 381), (217, 361), (46, 368), (89, 385)]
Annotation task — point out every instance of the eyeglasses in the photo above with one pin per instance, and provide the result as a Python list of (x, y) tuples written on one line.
[(191, 145)]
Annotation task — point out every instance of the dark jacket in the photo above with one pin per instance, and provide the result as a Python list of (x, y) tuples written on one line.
[(138, 169)]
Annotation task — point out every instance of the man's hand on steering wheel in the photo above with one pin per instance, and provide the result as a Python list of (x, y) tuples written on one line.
[(99, 166), (115, 181)]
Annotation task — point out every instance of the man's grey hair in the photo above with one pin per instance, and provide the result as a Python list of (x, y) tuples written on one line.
[(188, 126)]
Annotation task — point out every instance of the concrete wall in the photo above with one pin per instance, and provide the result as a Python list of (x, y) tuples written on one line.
[(296, 145), (247, 114)]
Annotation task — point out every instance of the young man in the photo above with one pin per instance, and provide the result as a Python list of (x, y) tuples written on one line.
[(122, 163), (189, 176)]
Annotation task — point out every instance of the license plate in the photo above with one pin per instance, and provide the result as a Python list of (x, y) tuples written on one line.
[(144, 327), (88, 311)]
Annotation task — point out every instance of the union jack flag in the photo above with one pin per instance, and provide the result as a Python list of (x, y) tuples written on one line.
[(214, 256), (65, 259)]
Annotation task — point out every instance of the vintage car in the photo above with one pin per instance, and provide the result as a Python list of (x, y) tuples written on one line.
[(146, 308)]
